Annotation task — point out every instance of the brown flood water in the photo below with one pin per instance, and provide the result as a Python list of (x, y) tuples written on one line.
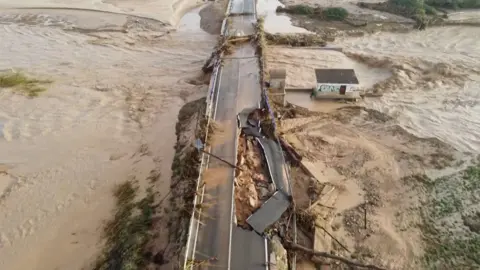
[(108, 116), (429, 79)]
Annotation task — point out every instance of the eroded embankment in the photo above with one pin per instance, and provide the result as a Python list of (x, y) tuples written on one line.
[(185, 170), (147, 230)]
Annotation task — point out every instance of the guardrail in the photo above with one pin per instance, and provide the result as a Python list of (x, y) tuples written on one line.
[(189, 252), (208, 111)]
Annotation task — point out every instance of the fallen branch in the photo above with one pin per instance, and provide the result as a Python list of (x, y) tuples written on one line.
[(336, 240), (297, 158), (295, 247)]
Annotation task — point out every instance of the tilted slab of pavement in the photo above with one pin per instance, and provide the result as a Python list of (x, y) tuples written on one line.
[(275, 206), (274, 156), (269, 212)]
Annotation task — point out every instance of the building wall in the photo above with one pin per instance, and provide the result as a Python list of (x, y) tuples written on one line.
[(277, 84), (335, 88)]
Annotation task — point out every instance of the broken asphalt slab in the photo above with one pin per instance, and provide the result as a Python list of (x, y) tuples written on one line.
[(273, 154), (269, 212)]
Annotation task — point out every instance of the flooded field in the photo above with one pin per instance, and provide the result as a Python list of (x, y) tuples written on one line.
[(433, 92), (428, 79), (167, 11), (276, 23), (108, 115)]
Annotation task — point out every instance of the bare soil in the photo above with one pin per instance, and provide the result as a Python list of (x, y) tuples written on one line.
[(251, 180), (363, 158)]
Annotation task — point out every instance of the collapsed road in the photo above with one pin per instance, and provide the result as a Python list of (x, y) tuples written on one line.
[(214, 237), (238, 86)]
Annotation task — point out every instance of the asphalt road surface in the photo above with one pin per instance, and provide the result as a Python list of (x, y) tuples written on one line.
[(233, 247), (242, 7)]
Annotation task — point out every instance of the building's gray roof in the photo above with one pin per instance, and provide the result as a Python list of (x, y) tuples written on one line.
[(278, 73), (346, 76)]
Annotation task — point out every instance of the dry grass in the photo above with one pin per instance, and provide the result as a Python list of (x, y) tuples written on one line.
[(22, 83)]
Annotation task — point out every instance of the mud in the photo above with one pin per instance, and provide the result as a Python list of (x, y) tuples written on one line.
[(212, 17), (363, 158), (251, 180)]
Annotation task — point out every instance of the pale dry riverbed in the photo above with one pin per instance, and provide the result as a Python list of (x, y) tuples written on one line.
[(108, 116)]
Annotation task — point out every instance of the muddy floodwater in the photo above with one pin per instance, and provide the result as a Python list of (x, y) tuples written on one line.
[(108, 116), (434, 89), (276, 23), (429, 79)]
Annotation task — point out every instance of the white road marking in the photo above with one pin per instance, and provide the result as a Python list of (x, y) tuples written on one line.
[(267, 265), (236, 146)]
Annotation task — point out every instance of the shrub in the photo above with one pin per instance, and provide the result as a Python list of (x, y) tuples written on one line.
[(454, 3), (335, 13), (297, 9), (429, 10)]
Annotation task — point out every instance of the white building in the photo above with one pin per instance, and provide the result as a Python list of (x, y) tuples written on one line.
[(336, 82)]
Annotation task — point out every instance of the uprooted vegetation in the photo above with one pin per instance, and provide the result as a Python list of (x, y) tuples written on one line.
[(225, 46), (128, 232), (22, 83), (261, 42), (331, 13)]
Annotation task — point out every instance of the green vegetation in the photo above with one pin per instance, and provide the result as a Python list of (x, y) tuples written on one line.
[(455, 4), (128, 232), (298, 9), (451, 218), (22, 83), (295, 40), (333, 13), (429, 10), (417, 10)]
